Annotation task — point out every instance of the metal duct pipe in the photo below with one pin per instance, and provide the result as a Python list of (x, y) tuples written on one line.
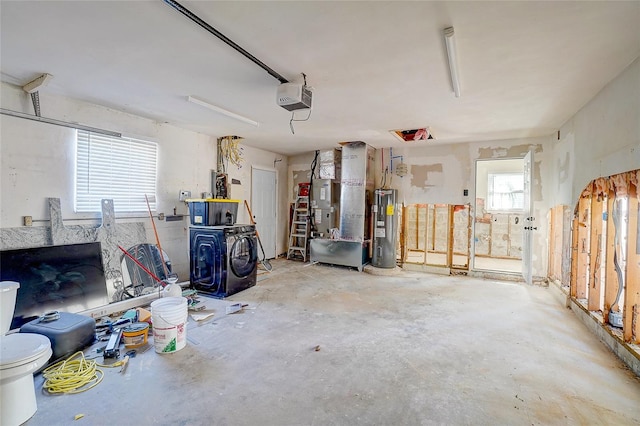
[(186, 12)]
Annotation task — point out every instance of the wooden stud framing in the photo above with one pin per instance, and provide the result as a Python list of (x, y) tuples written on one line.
[(596, 257), (611, 278), (468, 260), (403, 235), (582, 277), (428, 240), (426, 234), (433, 229), (552, 244), (574, 259), (418, 228), (450, 223), (556, 230), (631, 314)]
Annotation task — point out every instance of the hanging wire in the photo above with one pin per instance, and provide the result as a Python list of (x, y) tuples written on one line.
[(232, 151), (293, 132), (292, 120)]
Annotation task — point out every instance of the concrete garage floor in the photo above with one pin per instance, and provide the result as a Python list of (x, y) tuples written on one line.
[(408, 349)]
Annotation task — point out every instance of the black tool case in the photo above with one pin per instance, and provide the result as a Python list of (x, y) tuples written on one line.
[(68, 334)]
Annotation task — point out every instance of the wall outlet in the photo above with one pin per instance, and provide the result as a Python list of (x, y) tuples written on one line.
[(27, 220), (184, 195)]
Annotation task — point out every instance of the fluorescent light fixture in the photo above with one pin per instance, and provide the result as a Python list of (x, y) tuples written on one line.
[(453, 62), (223, 111)]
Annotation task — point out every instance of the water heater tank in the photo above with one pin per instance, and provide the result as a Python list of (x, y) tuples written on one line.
[(385, 219)]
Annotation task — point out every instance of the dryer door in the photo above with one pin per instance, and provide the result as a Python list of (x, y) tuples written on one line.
[(243, 255)]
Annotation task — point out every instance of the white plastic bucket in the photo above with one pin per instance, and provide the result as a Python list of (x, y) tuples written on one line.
[(169, 317)]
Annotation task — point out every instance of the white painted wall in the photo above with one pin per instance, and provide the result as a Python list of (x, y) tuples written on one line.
[(601, 139), (37, 162), (268, 161)]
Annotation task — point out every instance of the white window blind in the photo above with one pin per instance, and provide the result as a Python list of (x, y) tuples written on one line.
[(506, 191), (120, 169)]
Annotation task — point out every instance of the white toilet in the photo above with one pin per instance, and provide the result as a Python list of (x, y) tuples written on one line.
[(21, 355)]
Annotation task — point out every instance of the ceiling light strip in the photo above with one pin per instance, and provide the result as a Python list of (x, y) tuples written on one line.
[(223, 111), (453, 62), (186, 12), (59, 122)]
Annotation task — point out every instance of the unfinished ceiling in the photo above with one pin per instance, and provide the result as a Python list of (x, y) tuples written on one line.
[(525, 67)]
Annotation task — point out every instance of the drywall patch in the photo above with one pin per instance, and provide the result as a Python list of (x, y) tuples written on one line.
[(563, 168), (536, 187), (510, 152), (426, 176)]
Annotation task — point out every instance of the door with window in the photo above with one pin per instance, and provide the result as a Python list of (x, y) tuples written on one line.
[(498, 222)]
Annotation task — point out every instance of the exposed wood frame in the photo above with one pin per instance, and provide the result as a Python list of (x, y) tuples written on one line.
[(596, 254), (450, 224), (552, 243), (631, 314), (557, 231), (573, 290), (425, 260), (611, 279), (582, 276), (403, 235)]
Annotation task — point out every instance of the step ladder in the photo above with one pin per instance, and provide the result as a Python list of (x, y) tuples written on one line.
[(299, 234)]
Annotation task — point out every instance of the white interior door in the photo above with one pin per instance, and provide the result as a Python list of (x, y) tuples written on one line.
[(263, 207), (527, 233)]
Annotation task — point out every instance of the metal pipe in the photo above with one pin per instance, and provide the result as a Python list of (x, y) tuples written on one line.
[(58, 122), (186, 12)]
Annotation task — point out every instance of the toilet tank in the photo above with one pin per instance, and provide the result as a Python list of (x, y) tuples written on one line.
[(8, 294)]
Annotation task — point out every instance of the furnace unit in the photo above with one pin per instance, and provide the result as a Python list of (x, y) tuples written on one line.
[(350, 246), (325, 206)]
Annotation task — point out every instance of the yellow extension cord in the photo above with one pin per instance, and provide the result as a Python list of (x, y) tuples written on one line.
[(74, 375)]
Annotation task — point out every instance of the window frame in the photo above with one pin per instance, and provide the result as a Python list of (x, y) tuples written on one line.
[(122, 169), (490, 205)]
